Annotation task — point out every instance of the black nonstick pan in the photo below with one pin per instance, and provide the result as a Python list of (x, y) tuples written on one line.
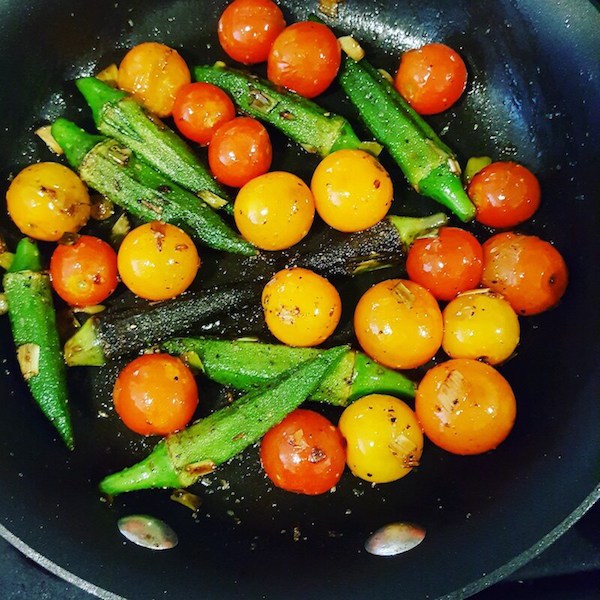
[(533, 96)]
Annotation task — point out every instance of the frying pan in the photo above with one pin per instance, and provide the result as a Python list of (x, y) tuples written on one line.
[(533, 96)]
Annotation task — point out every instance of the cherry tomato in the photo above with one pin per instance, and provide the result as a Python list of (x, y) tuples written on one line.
[(505, 194), (248, 28), (431, 78), (301, 308), (352, 190), (274, 211), (157, 261), (85, 272), (304, 453), (304, 58), (239, 151), (398, 323), (465, 406), (528, 271), (153, 73), (383, 437), (447, 264), (47, 200), (481, 325), (155, 394), (200, 109)]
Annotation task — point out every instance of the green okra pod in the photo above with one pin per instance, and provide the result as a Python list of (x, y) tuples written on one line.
[(119, 116), (247, 365), (114, 170), (182, 458), (33, 323), (428, 164)]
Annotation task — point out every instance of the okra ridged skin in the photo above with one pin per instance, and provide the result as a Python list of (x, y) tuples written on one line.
[(33, 323), (427, 163), (300, 119), (246, 365), (114, 171), (182, 458), (117, 115)]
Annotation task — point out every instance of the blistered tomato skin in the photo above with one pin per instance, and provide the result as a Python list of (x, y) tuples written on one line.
[(155, 394), (47, 200), (274, 211), (303, 454), (431, 78), (505, 194), (153, 73), (301, 308), (465, 406), (352, 190), (450, 263), (383, 438), (248, 28), (398, 323), (480, 325), (239, 151), (528, 271), (304, 58), (157, 261)]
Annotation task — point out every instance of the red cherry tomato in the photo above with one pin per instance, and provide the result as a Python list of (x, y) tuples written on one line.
[(447, 264), (248, 28), (155, 394), (505, 194), (528, 271), (305, 58), (84, 273), (239, 151), (200, 109), (304, 454), (431, 78)]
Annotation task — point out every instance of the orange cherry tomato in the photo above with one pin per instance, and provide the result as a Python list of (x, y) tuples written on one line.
[(505, 194), (301, 308), (200, 109), (85, 272), (465, 406), (153, 73), (304, 454), (304, 58), (431, 78), (155, 394), (239, 151), (248, 28), (450, 263), (398, 323), (528, 271)]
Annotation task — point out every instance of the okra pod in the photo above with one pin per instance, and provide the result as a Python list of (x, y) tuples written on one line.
[(428, 164), (182, 458), (246, 365), (117, 115), (305, 122), (114, 170), (33, 324), (123, 331)]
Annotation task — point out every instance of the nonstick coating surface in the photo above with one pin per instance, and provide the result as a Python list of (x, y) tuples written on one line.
[(533, 96)]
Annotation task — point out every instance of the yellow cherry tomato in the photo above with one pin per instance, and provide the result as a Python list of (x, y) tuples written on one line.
[(465, 406), (157, 261), (301, 308), (153, 73), (352, 190), (398, 323), (482, 325), (274, 211), (47, 200), (383, 436)]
